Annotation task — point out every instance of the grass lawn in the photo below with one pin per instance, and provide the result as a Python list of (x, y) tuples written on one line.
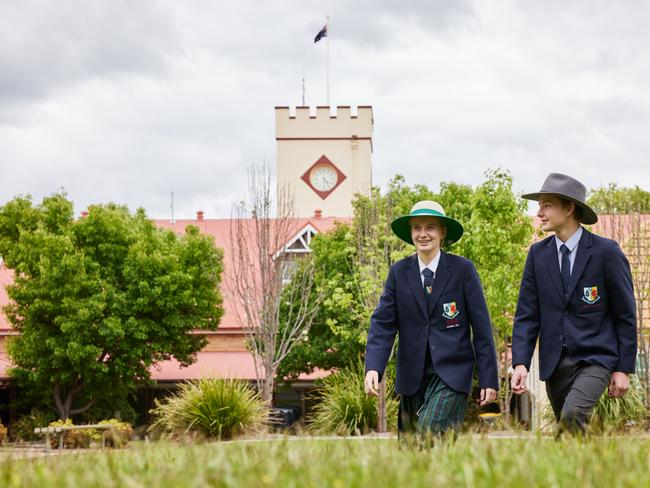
[(604, 461)]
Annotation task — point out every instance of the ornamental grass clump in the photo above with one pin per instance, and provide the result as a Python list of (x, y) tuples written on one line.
[(212, 409), (345, 409), (619, 414), (611, 415)]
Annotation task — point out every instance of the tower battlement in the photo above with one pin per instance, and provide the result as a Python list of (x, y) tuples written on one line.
[(344, 121), (324, 155)]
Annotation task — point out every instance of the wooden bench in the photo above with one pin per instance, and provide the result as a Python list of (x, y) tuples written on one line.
[(62, 429)]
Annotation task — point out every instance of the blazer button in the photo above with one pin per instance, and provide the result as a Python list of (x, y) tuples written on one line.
[(565, 313), (433, 348)]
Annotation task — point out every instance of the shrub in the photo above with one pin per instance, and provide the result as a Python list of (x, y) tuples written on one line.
[(85, 438), (120, 436), (611, 414), (76, 438), (3, 433), (23, 428), (623, 413), (212, 408), (344, 407)]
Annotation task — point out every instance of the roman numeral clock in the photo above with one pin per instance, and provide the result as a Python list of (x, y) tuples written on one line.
[(325, 157)]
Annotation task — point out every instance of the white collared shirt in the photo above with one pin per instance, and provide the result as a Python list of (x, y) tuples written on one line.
[(433, 266), (572, 243)]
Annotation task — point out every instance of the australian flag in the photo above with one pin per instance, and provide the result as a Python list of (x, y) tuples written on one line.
[(322, 33)]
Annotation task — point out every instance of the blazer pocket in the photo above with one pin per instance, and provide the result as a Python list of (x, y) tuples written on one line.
[(591, 295)]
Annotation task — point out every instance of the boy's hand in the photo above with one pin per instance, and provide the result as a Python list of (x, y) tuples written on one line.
[(518, 380), (619, 384), (371, 384)]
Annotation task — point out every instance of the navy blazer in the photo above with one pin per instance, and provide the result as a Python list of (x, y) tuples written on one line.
[(597, 319), (456, 304)]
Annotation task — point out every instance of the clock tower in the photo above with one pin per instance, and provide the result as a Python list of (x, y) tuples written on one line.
[(324, 157)]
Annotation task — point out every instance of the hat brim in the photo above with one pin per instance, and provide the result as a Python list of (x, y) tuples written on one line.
[(402, 228), (589, 217)]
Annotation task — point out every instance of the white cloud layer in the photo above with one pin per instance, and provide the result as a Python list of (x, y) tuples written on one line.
[(121, 101)]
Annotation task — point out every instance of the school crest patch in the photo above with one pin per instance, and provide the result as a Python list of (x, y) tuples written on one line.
[(449, 310), (590, 294)]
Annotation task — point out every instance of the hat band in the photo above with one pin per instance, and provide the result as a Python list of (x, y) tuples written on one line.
[(426, 211)]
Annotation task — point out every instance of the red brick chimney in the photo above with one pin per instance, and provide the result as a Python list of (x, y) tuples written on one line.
[(318, 213), (199, 215)]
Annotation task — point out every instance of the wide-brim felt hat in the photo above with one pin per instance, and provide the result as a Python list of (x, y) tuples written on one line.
[(569, 188), (427, 208)]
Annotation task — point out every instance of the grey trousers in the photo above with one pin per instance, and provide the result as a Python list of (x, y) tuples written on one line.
[(573, 389)]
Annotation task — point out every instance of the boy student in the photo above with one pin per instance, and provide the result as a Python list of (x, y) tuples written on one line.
[(435, 302), (576, 296)]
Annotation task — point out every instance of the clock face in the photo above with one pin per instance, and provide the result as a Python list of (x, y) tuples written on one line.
[(323, 178)]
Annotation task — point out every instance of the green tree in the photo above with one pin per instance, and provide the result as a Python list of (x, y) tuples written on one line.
[(614, 199), (337, 336), (497, 235), (98, 300)]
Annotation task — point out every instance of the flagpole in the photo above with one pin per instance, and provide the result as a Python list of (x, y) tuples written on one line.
[(328, 60)]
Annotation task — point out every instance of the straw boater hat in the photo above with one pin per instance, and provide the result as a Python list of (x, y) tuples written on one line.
[(566, 187), (427, 208)]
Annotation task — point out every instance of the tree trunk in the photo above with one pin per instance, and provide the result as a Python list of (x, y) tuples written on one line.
[(381, 407), (63, 402), (267, 387), (62, 406), (506, 387)]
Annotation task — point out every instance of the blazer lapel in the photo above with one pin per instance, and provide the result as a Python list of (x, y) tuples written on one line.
[(553, 265), (415, 282), (582, 257), (440, 281)]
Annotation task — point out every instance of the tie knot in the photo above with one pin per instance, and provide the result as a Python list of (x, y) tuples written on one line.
[(564, 250), (427, 273)]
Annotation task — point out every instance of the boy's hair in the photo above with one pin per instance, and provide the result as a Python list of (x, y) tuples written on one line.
[(577, 209)]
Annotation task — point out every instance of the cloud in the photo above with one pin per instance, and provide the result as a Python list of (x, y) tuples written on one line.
[(123, 101), (48, 46)]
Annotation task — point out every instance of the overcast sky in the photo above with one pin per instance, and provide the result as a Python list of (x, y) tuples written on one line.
[(123, 100)]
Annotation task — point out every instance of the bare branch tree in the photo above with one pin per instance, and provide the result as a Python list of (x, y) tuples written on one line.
[(260, 228)]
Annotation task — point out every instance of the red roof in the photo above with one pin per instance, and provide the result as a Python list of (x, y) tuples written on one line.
[(220, 230)]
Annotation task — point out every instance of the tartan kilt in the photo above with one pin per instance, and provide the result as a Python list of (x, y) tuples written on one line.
[(434, 409)]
